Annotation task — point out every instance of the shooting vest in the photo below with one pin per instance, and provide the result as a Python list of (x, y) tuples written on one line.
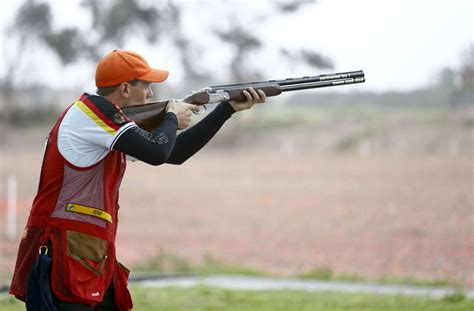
[(75, 214)]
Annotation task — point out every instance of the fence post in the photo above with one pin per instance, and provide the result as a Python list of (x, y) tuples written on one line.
[(10, 231)]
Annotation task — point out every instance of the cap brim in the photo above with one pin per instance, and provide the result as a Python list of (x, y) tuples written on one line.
[(154, 75)]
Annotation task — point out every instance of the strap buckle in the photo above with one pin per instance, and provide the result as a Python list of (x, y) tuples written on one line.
[(43, 248)]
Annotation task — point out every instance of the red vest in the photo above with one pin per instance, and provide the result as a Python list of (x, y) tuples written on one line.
[(76, 212)]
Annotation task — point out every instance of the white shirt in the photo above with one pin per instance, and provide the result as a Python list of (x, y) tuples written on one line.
[(90, 129)]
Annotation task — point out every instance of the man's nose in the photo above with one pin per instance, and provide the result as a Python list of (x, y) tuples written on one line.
[(149, 93)]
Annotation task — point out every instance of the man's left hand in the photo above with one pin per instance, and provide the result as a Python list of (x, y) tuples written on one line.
[(253, 98)]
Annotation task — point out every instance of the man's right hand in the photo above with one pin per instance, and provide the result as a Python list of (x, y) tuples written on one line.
[(183, 112)]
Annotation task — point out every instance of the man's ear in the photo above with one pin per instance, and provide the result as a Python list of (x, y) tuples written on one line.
[(124, 89)]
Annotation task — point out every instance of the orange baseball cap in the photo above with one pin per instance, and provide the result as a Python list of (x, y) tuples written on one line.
[(121, 66)]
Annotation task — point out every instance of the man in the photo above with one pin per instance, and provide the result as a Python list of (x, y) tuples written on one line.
[(73, 220)]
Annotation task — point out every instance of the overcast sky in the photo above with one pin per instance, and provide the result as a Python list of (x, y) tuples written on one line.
[(400, 45)]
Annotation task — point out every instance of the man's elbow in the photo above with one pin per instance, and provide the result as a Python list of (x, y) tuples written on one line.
[(158, 159), (155, 163), (176, 161)]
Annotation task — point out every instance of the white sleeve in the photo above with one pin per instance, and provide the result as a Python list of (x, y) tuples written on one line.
[(85, 136)]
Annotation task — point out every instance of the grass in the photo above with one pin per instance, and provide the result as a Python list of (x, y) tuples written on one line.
[(420, 282), (166, 263), (326, 274), (170, 264), (209, 298)]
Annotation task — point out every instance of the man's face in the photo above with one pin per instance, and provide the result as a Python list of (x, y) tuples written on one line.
[(139, 93)]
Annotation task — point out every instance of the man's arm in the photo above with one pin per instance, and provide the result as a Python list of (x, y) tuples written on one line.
[(151, 147), (155, 147), (192, 140)]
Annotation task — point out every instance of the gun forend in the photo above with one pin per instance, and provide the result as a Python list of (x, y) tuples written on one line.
[(269, 90)]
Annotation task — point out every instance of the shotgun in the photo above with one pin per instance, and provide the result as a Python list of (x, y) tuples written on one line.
[(150, 115)]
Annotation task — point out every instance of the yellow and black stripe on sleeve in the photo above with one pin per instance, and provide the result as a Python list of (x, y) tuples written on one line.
[(104, 113)]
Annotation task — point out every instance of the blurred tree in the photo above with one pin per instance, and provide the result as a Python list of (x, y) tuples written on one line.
[(291, 6), (447, 78), (33, 20), (244, 39), (466, 69), (312, 58), (244, 43), (114, 22), (67, 43), (183, 45), (459, 82), (445, 87)]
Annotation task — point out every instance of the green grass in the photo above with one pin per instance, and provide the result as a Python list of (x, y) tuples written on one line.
[(165, 263), (326, 274), (420, 282), (209, 298), (171, 264)]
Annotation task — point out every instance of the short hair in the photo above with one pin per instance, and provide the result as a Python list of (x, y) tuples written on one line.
[(105, 91)]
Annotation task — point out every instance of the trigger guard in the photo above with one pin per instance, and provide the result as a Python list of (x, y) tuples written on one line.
[(201, 110)]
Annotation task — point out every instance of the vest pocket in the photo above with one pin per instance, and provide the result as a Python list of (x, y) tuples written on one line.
[(122, 294), (86, 261), (88, 250)]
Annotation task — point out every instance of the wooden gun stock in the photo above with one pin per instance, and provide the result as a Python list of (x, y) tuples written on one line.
[(147, 116)]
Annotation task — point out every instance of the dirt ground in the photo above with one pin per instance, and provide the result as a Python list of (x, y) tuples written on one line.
[(376, 215)]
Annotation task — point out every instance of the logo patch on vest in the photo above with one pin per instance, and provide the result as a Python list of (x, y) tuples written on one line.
[(119, 118)]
